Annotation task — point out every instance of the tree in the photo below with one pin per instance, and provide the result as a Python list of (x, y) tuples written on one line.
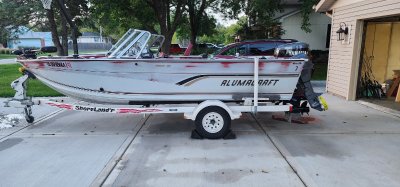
[(30, 13), (221, 35), (67, 17), (164, 10), (54, 33), (207, 25), (306, 10), (260, 17), (70, 14), (198, 17), (116, 17), (58, 12), (156, 16), (17, 13)]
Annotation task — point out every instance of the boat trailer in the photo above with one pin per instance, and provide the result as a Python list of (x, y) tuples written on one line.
[(212, 118)]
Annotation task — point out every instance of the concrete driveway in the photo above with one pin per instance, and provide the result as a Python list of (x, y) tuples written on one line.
[(349, 145)]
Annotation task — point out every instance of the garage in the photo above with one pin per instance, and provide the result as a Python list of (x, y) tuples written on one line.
[(364, 54), (380, 63)]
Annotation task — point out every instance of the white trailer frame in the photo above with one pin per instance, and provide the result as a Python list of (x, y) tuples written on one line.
[(190, 111)]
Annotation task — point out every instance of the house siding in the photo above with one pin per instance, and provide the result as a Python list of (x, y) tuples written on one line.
[(25, 42), (344, 57), (318, 24)]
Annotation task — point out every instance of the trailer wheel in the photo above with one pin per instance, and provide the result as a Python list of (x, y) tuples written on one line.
[(28, 114), (213, 122), (29, 119)]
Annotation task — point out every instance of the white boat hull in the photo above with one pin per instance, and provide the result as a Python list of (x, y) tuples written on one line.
[(129, 81)]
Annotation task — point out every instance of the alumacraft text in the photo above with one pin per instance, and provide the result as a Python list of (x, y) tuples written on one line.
[(264, 82)]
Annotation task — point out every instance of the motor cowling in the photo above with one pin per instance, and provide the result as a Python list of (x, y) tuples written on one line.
[(291, 50)]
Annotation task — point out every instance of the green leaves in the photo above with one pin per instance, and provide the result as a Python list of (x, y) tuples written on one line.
[(259, 20), (118, 16), (16, 13), (306, 10)]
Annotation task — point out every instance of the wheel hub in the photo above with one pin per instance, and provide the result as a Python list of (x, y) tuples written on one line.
[(213, 122)]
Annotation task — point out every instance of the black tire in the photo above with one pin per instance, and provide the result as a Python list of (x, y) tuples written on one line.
[(217, 122), (29, 119)]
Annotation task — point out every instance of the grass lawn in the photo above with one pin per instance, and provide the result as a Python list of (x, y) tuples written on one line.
[(9, 72), (7, 56), (320, 71)]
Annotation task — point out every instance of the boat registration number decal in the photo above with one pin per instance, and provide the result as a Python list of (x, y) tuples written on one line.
[(59, 64)]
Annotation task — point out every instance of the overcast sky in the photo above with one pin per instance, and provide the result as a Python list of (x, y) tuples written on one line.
[(225, 22)]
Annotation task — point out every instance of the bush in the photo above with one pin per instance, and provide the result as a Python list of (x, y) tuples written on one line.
[(6, 51), (3, 51)]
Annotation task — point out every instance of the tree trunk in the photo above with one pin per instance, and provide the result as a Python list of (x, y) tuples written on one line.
[(195, 16), (54, 33), (64, 34), (75, 39), (68, 18), (163, 13), (193, 36), (167, 41)]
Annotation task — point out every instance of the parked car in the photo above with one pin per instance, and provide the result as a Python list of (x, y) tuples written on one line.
[(205, 48), (264, 48), (176, 49)]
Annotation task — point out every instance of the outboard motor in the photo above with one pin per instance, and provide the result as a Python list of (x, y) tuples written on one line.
[(304, 89), (291, 50), (26, 53)]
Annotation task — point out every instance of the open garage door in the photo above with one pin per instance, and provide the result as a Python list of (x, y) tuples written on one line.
[(380, 64)]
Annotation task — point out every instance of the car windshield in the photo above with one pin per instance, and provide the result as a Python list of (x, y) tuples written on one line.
[(219, 51), (263, 49)]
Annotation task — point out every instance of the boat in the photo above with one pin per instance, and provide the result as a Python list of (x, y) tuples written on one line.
[(132, 73)]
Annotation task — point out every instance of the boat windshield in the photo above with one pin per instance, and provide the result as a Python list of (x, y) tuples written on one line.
[(136, 44)]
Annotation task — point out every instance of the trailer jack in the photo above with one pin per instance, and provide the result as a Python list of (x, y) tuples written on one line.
[(20, 100)]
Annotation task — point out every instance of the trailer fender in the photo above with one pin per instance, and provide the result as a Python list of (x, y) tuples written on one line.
[(192, 115)]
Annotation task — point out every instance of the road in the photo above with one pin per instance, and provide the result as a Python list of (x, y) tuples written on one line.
[(8, 61), (349, 145)]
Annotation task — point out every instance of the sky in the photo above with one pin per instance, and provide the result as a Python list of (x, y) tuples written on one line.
[(220, 19)]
